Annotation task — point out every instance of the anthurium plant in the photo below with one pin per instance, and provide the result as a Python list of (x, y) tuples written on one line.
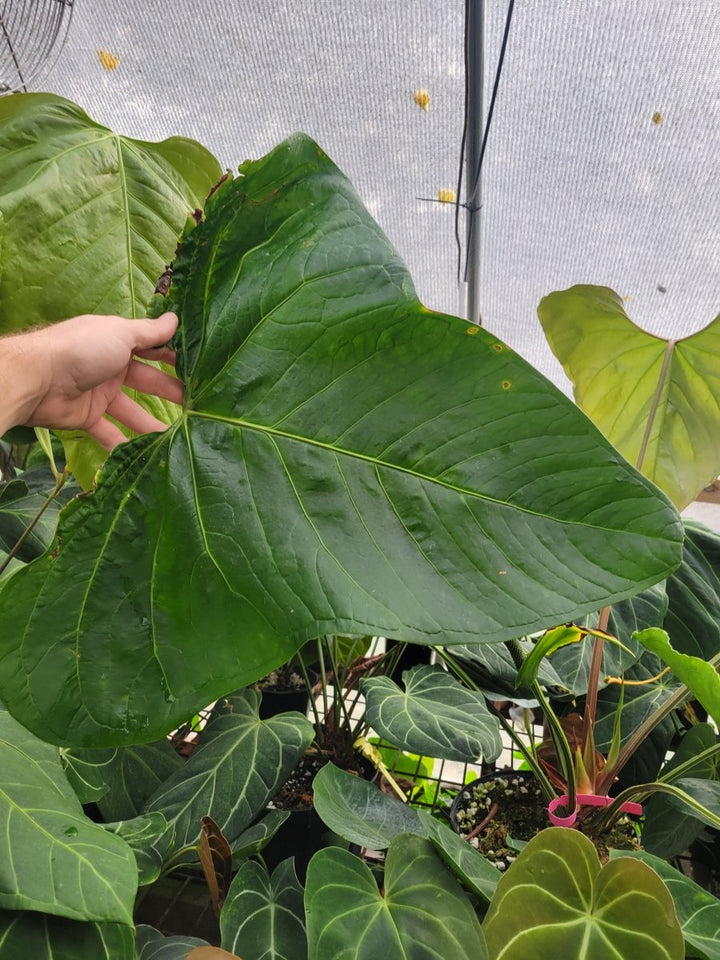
[(345, 461)]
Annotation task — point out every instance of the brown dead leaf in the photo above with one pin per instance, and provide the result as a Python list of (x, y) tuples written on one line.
[(211, 953)]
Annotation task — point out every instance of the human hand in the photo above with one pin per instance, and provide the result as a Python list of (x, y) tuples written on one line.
[(70, 375)]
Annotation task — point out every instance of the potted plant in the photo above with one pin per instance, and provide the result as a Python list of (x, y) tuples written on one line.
[(346, 461)]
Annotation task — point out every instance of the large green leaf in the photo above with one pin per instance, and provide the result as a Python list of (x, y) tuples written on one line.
[(657, 400), (90, 221), (52, 858), (698, 911), (693, 617), (133, 776), (434, 716), (39, 936), (346, 461), (359, 812), (263, 917), (664, 833), (422, 911), (556, 901), (149, 839), (240, 763)]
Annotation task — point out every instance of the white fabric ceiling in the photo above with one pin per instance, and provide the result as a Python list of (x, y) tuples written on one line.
[(580, 184)]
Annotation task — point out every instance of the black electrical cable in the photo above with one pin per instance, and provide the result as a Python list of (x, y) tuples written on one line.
[(463, 142)]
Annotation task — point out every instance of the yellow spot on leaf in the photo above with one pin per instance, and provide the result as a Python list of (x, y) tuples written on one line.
[(446, 196), (506, 384), (497, 347), (657, 118), (108, 60), (422, 99), (471, 331)]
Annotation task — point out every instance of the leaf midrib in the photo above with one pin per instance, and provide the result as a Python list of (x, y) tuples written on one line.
[(274, 432)]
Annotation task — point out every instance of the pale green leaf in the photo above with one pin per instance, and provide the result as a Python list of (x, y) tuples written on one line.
[(39, 936), (700, 677), (657, 400), (556, 901)]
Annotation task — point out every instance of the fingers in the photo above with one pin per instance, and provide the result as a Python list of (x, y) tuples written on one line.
[(149, 333), (106, 434), (161, 354), (132, 415), (151, 380)]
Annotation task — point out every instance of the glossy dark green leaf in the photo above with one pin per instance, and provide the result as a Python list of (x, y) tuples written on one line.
[(240, 763), (346, 461), (693, 617), (434, 716), (556, 901), (698, 911), (252, 840), (263, 917), (87, 772), (53, 859), (90, 221), (134, 774), (21, 501), (359, 812), (706, 793), (493, 669), (421, 912), (152, 945), (150, 841), (39, 936), (664, 832)]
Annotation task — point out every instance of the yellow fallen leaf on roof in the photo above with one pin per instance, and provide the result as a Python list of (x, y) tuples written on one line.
[(108, 60), (422, 99), (657, 117)]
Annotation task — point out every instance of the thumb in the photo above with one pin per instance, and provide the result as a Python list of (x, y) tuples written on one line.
[(149, 333)]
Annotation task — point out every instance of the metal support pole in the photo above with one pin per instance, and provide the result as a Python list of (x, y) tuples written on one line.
[(475, 66)]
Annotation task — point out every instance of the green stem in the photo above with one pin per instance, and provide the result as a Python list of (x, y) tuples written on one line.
[(640, 790), (59, 483), (682, 768)]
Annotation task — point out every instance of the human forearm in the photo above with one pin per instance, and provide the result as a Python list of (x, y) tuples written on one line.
[(20, 380)]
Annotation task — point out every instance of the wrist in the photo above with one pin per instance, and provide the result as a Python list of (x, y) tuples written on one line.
[(22, 363)]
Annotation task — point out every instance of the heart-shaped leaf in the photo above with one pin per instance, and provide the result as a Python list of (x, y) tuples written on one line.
[(657, 400), (359, 812), (133, 776), (421, 904), (263, 917), (347, 461), (698, 911), (434, 716), (556, 901), (152, 945), (39, 936), (239, 764), (149, 839), (89, 874)]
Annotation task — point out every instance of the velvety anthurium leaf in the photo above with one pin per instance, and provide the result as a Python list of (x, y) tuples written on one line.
[(421, 904), (556, 901), (434, 716), (90, 221), (149, 839), (346, 462), (86, 774), (657, 400), (240, 763), (361, 813), (263, 917), (698, 911), (152, 945), (39, 936), (699, 676), (86, 873), (132, 776)]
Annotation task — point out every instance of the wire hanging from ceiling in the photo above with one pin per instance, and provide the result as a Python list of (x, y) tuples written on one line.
[(462, 274), (31, 31)]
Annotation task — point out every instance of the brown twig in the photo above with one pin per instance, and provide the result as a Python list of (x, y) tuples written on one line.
[(483, 823)]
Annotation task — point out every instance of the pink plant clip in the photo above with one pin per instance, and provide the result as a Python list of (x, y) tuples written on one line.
[(586, 800)]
